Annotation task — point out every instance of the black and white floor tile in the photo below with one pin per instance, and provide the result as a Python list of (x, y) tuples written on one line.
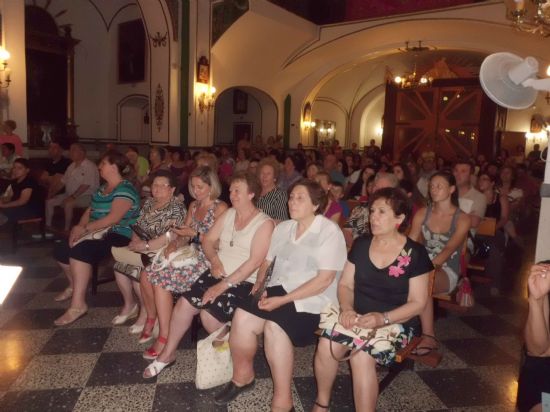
[(93, 366)]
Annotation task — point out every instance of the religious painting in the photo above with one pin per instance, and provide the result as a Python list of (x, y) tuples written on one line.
[(131, 52), (240, 102)]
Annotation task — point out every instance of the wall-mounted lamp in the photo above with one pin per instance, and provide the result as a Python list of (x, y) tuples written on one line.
[(204, 92), (206, 96), (309, 124), (5, 72), (326, 129)]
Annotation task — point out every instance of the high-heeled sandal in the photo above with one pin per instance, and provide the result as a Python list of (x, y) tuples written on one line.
[(147, 336), (151, 353)]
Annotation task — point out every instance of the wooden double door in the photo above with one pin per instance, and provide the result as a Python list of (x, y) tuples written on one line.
[(452, 120)]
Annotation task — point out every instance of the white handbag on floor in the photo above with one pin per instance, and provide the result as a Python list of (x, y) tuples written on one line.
[(214, 365)]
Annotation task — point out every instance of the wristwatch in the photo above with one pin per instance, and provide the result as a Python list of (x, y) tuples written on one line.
[(386, 318)]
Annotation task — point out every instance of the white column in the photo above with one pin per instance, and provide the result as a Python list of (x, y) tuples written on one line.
[(13, 27)]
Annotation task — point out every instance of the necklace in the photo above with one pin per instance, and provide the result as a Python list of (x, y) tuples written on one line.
[(246, 221)]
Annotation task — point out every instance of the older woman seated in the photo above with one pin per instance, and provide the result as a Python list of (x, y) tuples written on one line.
[(235, 246), (159, 214), (385, 281), (272, 201), (533, 378), (115, 205), (310, 252)]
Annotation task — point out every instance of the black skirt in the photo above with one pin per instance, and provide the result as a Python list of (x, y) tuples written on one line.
[(224, 306), (299, 326), (89, 251), (534, 379)]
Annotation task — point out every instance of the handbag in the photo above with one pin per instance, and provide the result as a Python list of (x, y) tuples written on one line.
[(184, 256), (381, 339), (464, 294), (214, 365), (97, 234)]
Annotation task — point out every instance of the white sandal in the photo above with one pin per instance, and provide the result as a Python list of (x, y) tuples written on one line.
[(156, 367)]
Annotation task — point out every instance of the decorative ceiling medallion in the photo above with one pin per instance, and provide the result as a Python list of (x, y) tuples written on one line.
[(159, 107), (158, 40)]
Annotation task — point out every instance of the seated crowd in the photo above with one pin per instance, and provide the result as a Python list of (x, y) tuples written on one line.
[(264, 244)]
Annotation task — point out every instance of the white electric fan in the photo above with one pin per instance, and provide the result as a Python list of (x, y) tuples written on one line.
[(512, 82)]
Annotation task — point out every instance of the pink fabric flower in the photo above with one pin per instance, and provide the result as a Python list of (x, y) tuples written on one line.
[(403, 260), (396, 271)]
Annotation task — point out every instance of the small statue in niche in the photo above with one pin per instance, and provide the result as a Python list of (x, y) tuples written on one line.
[(46, 133)]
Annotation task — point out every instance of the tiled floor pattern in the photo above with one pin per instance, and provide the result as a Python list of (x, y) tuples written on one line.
[(93, 366)]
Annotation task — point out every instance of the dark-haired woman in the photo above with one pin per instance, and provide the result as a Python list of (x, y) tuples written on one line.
[(25, 201), (159, 215), (310, 252), (384, 281), (289, 174), (115, 205), (157, 158), (444, 228)]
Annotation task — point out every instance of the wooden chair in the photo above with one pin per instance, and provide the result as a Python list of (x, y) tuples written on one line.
[(97, 280), (18, 227)]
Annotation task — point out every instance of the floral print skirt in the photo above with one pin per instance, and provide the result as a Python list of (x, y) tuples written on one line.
[(224, 306), (176, 280), (383, 352)]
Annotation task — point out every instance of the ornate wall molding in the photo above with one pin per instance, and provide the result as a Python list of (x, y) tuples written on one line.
[(159, 107)]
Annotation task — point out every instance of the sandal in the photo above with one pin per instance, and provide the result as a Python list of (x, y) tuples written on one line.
[(426, 350), (70, 316), (151, 353), (155, 368), (65, 295), (147, 336)]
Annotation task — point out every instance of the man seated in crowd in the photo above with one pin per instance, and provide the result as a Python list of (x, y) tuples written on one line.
[(9, 137), (80, 180), (471, 201), (428, 170), (7, 159), (55, 169), (330, 165)]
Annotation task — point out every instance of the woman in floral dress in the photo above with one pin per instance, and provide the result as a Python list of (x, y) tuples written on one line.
[(205, 188)]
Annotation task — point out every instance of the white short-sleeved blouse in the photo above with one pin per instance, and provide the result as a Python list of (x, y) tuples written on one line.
[(321, 247)]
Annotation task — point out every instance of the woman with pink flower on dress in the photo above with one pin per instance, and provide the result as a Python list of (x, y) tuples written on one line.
[(384, 281)]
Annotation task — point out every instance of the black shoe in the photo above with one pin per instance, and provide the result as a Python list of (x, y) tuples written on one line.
[(231, 391)]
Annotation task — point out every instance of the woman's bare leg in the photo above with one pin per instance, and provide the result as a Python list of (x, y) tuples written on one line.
[(243, 341), (280, 356), (124, 284), (365, 382), (326, 369)]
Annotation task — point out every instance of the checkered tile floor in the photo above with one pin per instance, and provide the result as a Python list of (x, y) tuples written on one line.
[(93, 366)]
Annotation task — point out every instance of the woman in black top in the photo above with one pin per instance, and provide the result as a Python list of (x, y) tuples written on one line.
[(385, 281), (25, 201)]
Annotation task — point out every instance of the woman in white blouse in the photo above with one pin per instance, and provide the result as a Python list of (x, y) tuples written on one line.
[(310, 253)]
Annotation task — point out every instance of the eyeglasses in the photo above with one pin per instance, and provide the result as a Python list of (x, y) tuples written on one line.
[(160, 185)]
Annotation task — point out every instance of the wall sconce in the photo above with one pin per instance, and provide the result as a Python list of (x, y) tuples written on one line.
[(309, 124), (206, 96), (326, 129), (5, 72)]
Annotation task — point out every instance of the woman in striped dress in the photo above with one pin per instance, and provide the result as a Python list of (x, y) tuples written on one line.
[(272, 201)]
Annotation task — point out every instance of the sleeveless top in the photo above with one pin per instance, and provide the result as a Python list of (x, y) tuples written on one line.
[(435, 242), (204, 225), (235, 245)]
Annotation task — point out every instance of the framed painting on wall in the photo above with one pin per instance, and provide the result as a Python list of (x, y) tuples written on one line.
[(131, 52), (240, 102)]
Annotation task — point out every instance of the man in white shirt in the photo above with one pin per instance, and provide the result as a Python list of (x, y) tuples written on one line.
[(81, 180), (428, 170), (471, 201)]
